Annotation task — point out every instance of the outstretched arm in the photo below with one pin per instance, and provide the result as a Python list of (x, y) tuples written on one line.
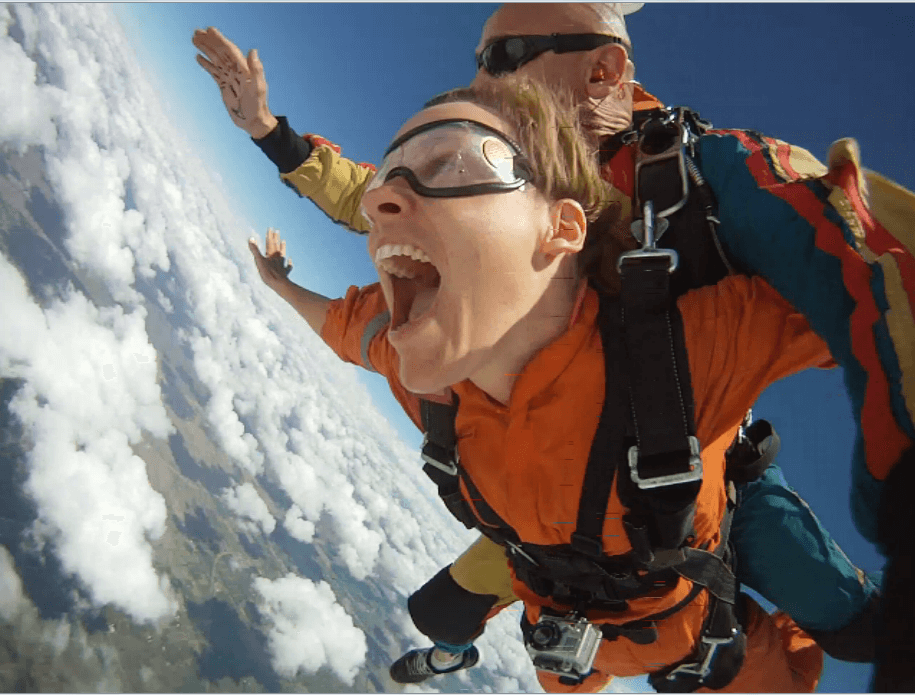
[(274, 272), (837, 243), (310, 165), (241, 81)]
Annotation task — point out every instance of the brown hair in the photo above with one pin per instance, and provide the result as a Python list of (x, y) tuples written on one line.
[(563, 155)]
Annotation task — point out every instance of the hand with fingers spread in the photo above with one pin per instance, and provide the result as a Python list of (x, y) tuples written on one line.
[(241, 81), (272, 267)]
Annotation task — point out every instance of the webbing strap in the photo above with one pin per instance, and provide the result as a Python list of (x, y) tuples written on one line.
[(444, 469), (440, 454), (440, 444), (438, 422), (656, 361), (608, 445)]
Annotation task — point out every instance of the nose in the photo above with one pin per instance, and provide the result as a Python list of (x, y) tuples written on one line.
[(388, 201)]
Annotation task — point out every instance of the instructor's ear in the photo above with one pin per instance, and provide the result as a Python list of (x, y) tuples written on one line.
[(569, 228), (605, 70)]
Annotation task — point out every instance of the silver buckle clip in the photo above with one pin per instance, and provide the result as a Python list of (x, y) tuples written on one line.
[(514, 548), (675, 151), (694, 472), (450, 468), (644, 231), (702, 670)]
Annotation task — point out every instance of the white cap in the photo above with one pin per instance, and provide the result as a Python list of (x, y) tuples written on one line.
[(611, 15)]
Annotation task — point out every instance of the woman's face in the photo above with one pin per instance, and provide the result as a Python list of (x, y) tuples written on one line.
[(473, 262)]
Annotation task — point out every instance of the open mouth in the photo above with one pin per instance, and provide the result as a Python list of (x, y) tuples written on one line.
[(415, 282)]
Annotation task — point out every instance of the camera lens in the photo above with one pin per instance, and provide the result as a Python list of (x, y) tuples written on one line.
[(544, 636)]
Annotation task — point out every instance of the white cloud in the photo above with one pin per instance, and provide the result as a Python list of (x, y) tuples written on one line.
[(309, 628), (298, 527), (249, 505), (138, 204), (86, 400), (12, 599), (26, 105)]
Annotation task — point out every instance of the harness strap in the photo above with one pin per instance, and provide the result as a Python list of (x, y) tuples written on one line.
[(662, 403), (665, 468), (439, 451), (443, 466), (638, 631), (707, 570), (718, 657), (722, 645), (440, 443), (607, 447)]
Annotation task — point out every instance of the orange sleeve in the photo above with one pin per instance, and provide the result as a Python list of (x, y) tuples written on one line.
[(356, 329), (741, 336), (355, 326)]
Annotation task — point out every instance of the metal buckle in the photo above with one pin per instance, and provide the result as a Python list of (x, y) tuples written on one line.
[(644, 231), (694, 472), (675, 150), (517, 549), (450, 468), (655, 253), (702, 670)]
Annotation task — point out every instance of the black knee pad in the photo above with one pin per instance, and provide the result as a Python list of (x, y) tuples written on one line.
[(446, 612)]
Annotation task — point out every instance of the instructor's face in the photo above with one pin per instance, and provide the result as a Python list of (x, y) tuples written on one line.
[(568, 70)]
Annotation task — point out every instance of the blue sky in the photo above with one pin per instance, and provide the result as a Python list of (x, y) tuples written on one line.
[(805, 73)]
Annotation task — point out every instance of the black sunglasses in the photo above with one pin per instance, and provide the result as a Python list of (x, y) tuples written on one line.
[(506, 55)]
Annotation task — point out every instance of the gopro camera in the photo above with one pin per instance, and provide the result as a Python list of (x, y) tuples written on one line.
[(565, 646)]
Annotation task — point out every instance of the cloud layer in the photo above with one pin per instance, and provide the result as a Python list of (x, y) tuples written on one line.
[(147, 224)]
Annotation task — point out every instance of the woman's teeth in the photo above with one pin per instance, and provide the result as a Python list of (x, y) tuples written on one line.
[(385, 259)]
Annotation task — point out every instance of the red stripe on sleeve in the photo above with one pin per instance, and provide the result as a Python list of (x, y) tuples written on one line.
[(878, 237), (783, 153), (884, 441)]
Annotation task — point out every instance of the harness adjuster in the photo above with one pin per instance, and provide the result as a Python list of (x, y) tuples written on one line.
[(688, 476), (591, 547), (677, 135), (644, 231), (703, 669), (439, 457)]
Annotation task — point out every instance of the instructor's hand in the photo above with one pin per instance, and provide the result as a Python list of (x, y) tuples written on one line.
[(241, 81), (273, 267)]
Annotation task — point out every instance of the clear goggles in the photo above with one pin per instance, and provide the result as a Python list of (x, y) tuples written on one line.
[(454, 158)]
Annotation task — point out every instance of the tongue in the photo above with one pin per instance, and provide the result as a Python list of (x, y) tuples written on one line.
[(423, 302)]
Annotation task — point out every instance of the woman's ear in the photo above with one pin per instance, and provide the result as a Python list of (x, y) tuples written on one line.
[(569, 227)]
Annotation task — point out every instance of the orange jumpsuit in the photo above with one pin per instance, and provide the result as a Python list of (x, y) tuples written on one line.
[(528, 458)]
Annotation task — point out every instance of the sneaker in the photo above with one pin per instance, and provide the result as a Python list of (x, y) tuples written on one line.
[(414, 666)]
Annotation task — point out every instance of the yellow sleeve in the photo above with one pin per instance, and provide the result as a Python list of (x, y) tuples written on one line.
[(334, 183)]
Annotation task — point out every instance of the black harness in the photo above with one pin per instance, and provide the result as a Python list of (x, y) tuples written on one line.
[(646, 438)]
